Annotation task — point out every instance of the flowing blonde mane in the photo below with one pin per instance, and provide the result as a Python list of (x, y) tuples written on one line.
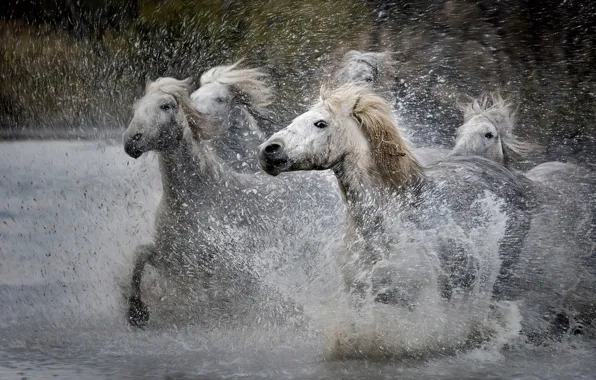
[(502, 115), (247, 84), (394, 163), (200, 126)]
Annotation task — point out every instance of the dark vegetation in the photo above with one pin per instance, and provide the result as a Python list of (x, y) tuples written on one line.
[(78, 65)]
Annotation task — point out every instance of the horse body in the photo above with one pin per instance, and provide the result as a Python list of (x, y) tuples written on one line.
[(376, 171), (191, 180), (556, 275), (565, 212), (471, 216), (192, 207)]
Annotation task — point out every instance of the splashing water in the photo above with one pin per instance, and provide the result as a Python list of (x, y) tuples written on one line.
[(73, 212), (424, 322)]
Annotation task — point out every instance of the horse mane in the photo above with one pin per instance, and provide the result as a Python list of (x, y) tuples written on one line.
[(395, 165), (246, 84), (200, 126), (501, 113)]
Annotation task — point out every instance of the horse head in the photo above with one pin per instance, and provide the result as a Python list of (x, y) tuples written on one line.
[(369, 70), (162, 117), (228, 94), (488, 130), (349, 130)]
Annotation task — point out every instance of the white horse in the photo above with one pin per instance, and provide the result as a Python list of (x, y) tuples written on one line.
[(351, 132), (236, 100), (488, 131), (212, 224), (565, 189)]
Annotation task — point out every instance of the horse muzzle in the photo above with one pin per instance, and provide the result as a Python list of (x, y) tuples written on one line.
[(272, 158), (131, 145)]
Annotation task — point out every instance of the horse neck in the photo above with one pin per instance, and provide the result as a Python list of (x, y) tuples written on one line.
[(245, 120), (367, 195), (187, 168)]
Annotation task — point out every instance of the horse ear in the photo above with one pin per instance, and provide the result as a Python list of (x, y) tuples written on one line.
[(325, 90), (464, 103), (187, 82), (354, 112)]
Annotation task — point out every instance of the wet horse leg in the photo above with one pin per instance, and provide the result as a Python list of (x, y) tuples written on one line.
[(138, 314)]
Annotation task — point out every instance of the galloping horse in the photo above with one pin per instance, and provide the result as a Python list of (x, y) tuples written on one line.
[(351, 131), (565, 191), (212, 224)]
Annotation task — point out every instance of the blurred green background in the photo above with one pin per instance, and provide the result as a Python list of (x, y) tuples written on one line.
[(73, 68)]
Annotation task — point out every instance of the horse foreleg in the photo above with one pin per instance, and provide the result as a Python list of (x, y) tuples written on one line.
[(138, 313)]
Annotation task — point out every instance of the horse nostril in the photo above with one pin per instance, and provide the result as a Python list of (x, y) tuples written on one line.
[(273, 148), (272, 158), (137, 137)]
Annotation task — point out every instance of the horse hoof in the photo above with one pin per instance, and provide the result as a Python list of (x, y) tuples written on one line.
[(389, 297), (385, 297), (138, 313)]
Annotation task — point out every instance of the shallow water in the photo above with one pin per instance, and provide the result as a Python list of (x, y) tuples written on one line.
[(196, 354), (70, 216)]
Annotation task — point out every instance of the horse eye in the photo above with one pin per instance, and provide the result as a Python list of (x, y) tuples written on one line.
[(220, 100), (369, 79), (489, 135), (321, 124), (166, 107)]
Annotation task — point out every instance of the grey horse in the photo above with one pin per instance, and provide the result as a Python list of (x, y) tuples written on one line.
[(351, 131), (213, 224)]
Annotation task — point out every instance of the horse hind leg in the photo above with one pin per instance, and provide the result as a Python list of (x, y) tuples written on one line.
[(138, 313)]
